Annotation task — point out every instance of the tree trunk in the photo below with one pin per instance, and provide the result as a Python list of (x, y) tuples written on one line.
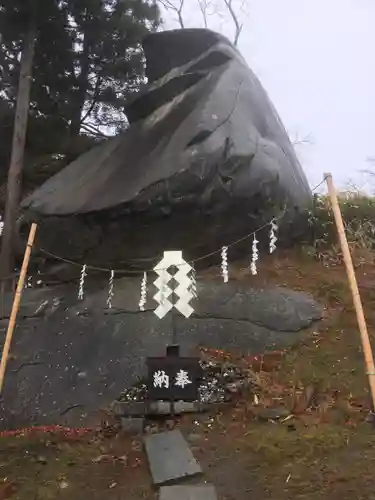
[(13, 193)]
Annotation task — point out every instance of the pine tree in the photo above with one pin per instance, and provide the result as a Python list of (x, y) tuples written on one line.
[(86, 63)]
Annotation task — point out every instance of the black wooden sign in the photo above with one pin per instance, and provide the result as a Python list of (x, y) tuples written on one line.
[(173, 378)]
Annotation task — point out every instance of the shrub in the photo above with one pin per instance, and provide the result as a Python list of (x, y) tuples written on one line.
[(358, 212)]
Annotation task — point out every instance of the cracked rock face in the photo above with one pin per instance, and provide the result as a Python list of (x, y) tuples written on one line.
[(71, 358), (205, 161)]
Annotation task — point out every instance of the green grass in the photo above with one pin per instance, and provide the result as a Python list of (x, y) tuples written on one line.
[(358, 213), (334, 434)]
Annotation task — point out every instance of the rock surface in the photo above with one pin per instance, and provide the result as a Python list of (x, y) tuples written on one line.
[(191, 492), (205, 161), (69, 358)]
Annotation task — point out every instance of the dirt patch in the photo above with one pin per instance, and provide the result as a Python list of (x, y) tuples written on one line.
[(47, 467)]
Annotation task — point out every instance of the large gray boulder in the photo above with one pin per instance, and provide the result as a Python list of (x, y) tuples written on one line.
[(204, 161), (70, 358)]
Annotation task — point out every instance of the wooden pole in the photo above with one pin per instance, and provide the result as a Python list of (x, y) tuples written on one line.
[(366, 345), (16, 305)]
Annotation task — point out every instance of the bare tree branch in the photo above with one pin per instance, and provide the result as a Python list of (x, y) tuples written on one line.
[(306, 140), (237, 25), (209, 8), (94, 100), (203, 7), (177, 8)]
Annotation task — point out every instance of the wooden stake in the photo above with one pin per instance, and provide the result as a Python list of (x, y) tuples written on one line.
[(366, 345), (16, 305)]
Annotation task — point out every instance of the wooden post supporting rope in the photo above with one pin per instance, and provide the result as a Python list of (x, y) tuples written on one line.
[(366, 345), (16, 305)]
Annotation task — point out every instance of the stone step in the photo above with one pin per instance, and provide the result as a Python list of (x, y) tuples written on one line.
[(170, 458), (193, 492), (136, 409)]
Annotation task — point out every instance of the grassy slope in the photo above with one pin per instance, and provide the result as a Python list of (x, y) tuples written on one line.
[(330, 453)]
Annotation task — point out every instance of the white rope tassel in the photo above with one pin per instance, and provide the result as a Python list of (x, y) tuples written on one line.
[(254, 257), (143, 298), (224, 264), (110, 290), (193, 286), (273, 238), (82, 283), (1, 225)]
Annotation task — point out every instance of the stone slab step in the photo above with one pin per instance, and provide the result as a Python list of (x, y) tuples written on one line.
[(170, 458), (137, 409), (194, 492)]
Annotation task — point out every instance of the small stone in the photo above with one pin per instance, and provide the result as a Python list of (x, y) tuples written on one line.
[(130, 408), (164, 408), (123, 459), (233, 388), (151, 429), (41, 460), (132, 425), (170, 424), (63, 485)]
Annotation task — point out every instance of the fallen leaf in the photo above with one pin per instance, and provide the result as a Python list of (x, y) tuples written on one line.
[(63, 484), (7, 490), (102, 458)]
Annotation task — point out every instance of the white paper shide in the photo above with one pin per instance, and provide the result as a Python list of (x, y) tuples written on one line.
[(162, 283)]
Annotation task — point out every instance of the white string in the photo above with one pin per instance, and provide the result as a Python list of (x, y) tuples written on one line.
[(110, 290), (224, 264), (143, 298), (82, 283), (254, 256), (193, 285), (163, 287), (273, 235)]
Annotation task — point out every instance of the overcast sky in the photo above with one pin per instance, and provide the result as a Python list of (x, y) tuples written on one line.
[(315, 59)]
